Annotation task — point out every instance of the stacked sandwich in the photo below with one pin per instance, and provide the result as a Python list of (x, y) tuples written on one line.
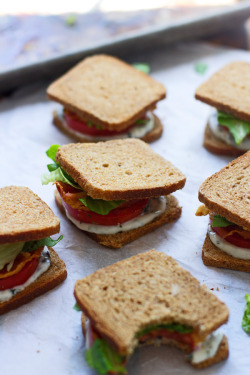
[(105, 98), (115, 191), (29, 266), (228, 128), (226, 198), (148, 299)]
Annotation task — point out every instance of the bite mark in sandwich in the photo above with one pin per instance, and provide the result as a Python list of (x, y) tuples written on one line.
[(226, 196), (228, 128), (113, 190), (105, 98), (26, 257), (154, 311)]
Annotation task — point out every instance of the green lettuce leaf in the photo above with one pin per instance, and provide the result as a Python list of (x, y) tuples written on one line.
[(76, 307), (173, 327), (200, 67), (100, 206), (8, 254), (143, 67), (238, 128), (246, 316), (220, 221), (51, 152), (33, 245), (58, 175), (102, 358)]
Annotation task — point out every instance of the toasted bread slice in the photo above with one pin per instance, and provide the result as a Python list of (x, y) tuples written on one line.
[(24, 216), (47, 281), (227, 191), (151, 136), (228, 90), (119, 169), (116, 241), (221, 354), (147, 289), (107, 91), (214, 257), (216, 146)]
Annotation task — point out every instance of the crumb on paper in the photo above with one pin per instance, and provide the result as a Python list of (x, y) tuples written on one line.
[(211, 288), (38, 351), (217, 289)]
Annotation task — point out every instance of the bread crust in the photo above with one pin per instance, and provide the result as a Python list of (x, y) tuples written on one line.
[(107, 91), (227, 192), (116, 241), (214, 257), (54, 276), (24, 216), (221, 354), (216, 146), (151, 136), (119, 169)]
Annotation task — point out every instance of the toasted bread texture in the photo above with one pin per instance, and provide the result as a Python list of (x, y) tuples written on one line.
[(107, 91), (119, 169), (116, 241), (214, 257), (216, 146), (24, 216), (228, 90), (227, 191), (151, 136), (221, 354), (147, 289), (47, 281)]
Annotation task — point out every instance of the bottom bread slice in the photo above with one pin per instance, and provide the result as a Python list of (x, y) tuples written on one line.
[(151, 136), (215, 145), (116, 241), (220, 355), (213, 256), (48, 280)]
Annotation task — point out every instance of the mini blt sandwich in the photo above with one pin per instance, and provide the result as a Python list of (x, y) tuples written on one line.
[(105, 98), (228, 127), (148, 299), (227, 201), (115, 191), (29, 266)]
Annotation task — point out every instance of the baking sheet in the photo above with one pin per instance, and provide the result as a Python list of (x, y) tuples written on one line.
[(45, 335)]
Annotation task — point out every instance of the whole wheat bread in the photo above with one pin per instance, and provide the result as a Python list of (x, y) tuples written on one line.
[(24, 216), (227, 191), (119, 169), (107, 91), (147, 289)]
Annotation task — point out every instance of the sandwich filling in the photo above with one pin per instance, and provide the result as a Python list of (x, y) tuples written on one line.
[(21, 263), (227, 236), (87, 130), (229, 129), (102, 357), (97, 215)]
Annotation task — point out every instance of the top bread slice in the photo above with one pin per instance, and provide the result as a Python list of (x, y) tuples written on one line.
[(147, 289), (228, 90), (227, 192), (107, 91), (119, 169), (24, 216)]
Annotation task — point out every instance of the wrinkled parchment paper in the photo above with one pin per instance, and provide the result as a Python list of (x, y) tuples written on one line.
[(44, 337)]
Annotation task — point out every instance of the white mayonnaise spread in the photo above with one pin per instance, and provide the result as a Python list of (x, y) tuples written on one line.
[(155, 207), (42, 267), (234, 251), (208, 348), (137, 131), (224, 135)]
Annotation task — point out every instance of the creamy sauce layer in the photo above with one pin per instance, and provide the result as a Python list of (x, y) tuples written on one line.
[(208, 348), (234, 251), (222, 134), (137, 131), (155, 207), (42, 267)]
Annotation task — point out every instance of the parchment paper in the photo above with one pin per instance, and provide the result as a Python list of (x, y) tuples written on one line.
[(44, 336)]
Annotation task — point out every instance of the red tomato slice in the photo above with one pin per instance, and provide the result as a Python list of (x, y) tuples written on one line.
[(81, 126), (235, 238), (21, 277), (184, 338), (117, 216)]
